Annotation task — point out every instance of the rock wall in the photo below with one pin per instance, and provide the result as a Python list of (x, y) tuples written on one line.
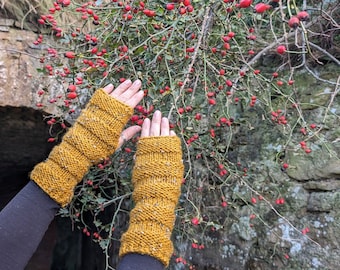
[(18, 62), (303, 231)]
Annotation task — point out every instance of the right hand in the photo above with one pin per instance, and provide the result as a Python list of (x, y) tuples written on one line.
[(159, 126)]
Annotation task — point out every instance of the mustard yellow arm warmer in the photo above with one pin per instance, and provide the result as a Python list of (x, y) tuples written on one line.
[(157, 177), (93, 137)]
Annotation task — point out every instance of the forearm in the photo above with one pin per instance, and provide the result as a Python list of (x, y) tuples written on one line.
[(23, 223), (156, 193)]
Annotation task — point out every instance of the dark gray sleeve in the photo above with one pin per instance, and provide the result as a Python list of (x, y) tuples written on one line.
[(135, 261), (23, 223)]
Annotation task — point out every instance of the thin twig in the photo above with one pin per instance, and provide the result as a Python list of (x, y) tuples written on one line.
[(336, 91), (325, 52)]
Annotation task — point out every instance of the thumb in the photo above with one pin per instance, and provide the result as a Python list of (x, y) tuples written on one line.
[(127, 134)]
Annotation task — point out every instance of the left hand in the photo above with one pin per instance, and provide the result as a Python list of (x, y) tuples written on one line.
[(130, 94)]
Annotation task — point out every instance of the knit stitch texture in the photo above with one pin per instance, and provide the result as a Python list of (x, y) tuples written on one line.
[(93, 137), (157, 177)]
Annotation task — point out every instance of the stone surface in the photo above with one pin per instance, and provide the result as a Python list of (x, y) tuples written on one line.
[(17, 68), (322, 185), (323, 201)]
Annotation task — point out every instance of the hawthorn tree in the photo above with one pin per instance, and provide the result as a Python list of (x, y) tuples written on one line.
[(208, 66)]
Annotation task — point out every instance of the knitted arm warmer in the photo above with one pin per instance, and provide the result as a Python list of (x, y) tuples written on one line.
[(157, 177), (93, 137)]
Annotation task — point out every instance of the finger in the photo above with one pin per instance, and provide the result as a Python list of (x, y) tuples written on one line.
[(156, 124), (172, 133), (108, 89), (145, 128), (135, 99), (127, 134), (165, 130), (130, 91), (121, 88)]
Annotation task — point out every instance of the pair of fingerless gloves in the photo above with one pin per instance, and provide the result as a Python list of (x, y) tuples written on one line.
[(156, 177)]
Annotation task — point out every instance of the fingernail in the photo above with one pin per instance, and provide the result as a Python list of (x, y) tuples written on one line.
[(127, 81)]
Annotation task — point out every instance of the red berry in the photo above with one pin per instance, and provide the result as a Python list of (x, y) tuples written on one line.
[(51, 140), (186, 2), (190, 50), (285, 165), (226, 38), (190, 8), (281, 49), (303, 143), (261, 7), (66, 3), (212, 101), (275, 74), (70, 55), (293, 22), (41, 92), (224, 204), (170, 6), (245, 3), (253, 200), (303, 15), (182, 10), (72, 88), (279, 83), (231, 34), (149, 13), (251, 37), (127, 8), (312, 126), (226, 46), (134, 118), (71, 95), (195, 221)]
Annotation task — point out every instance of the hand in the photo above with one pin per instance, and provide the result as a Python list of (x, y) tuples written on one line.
[(128, 93), (159, 126)]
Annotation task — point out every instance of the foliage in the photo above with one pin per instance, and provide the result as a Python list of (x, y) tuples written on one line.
[(208, 66)]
